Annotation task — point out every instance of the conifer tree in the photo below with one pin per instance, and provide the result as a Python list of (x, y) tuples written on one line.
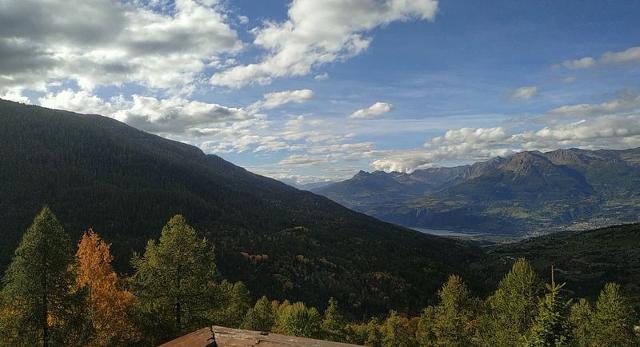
[(174, 281), (395, 332), (108, 305), (551, 326), (580, 319), (333, 323), (36, 293), (235, 302), (512, 308), (366, 333), (373, 333), (260, 317), (425, 334), (298, 320), (612, 322), (454, 314)]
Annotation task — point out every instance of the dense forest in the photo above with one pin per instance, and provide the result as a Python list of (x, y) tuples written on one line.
[(584, 259), (55, 295), (94, 171)]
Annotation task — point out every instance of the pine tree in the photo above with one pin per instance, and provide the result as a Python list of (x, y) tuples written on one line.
[(512, 308), (551, 326), (36, 288), (580, 319), (333, 323), (174, 281), (395, 332), (298, 320), (367, 334), (425, 334), (373, 333), (260, 317), (109, 306), (612, 323), (454, 315), (235, 299)]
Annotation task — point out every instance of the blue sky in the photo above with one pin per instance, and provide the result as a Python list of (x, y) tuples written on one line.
[(312, 90)]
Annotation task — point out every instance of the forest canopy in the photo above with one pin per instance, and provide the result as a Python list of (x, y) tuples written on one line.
[(52, 295)]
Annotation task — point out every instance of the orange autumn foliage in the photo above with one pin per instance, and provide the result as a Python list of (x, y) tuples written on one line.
[(108, 305)]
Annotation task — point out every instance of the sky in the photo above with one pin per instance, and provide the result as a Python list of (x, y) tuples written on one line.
[(308, 90)]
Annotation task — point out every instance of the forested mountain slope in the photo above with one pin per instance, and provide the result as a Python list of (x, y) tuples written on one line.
[(586, 260), (96, 172)]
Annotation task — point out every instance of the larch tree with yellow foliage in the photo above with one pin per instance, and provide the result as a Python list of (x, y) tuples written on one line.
[(109, 305)]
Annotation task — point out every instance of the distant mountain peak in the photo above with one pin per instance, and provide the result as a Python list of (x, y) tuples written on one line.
[(522, 191)]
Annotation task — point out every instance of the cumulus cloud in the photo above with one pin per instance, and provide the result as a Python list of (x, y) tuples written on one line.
[(523, 93), (630, 55), (374, 111), (276, 99), (80, 101), (317, 33), (614, 129), (14, 94), (174, 115), (107, 42)]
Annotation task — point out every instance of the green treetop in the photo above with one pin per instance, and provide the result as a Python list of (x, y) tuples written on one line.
[(260, 317), (174, 280), (512, 308), (36, 295), (333, 323), (612, 322), (551, 326)]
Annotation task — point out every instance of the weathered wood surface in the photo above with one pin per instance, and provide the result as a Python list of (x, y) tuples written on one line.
[(227, 337)]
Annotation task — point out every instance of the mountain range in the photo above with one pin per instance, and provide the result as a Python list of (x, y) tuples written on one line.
[(526, 193), (94, 171)]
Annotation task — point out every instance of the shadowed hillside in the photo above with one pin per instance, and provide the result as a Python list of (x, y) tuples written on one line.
[(96, 172)]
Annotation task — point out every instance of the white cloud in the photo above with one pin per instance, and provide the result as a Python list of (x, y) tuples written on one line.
[(317, 33), (630, 55), (321, 77), (304, 160), (627, 56), (523, 93), (628, 101), (471, 135), (174, 115), (103, 42), (472, 144), (581, 63), (80, 101), (276, 99), (587, 133), (14, 94), (373, 111)]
